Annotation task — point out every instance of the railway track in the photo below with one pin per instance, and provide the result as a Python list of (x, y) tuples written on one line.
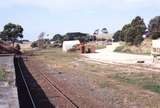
[(66, 101), (24, 93), (26, 89), (53, 84)]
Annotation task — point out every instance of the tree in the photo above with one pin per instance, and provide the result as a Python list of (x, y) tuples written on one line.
[(154, 27), (132, 33), (117, 36), (77, 36), (138, 40), (57, 38), (124, 32), (96, 32), (104, 30), (34, 44), (140, 28), (11, 32), (41, 40)]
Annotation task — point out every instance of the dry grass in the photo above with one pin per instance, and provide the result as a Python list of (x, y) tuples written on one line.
[(144, 48), (26, 46), (57, 57)]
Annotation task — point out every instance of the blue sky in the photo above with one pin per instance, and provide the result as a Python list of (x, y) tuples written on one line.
[(61, 16)]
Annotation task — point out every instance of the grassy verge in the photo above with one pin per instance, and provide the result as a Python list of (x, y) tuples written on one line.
[(145, 81), (2, 74), (132, 50), (57, 57), (144, 48)]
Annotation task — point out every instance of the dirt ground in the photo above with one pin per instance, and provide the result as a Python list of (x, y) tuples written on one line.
[(102, 84)]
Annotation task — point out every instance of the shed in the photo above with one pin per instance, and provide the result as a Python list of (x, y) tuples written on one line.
[(156, 49), (67, 45)]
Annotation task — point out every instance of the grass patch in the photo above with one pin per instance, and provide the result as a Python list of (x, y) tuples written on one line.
[(149, 82), (124, 79), (103, 84), (100, 46), (152, 87), (2, 74), (133, 49), (57, 56)]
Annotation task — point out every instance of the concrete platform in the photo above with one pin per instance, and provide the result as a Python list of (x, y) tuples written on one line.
[(8, 89)]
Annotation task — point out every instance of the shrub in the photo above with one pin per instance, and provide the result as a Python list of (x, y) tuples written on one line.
[(138, 40), (117, 36), (155, 35), (2, 74), (34, 44)]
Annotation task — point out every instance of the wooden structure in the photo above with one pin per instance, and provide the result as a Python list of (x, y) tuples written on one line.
[(156, 50)]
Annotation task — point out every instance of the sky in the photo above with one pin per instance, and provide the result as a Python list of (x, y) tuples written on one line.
[(62, 16)]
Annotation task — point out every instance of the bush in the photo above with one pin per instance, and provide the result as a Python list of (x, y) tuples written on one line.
[(155, 35), (2, 74), (34, 44), (138, 40), (117, 36)]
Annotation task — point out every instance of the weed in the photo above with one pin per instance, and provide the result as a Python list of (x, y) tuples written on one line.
[(2, 74)]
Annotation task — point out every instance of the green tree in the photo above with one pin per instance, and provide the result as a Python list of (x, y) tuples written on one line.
[(104, 30), (34, 44), (140, 27), (117, 36), (132, 33), (77, 36), (125, 30), (154, 27), (57, 38), (11, 32)]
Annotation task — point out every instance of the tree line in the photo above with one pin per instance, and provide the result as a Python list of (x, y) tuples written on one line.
[(58, 39), (133, 32)]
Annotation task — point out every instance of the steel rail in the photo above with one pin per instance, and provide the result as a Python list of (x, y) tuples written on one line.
[(60, 91), (20, 69)]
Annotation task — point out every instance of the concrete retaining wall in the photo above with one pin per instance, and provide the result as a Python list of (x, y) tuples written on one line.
[(8, 89)]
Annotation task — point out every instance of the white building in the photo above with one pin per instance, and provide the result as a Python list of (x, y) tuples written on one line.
[(67, 45)]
